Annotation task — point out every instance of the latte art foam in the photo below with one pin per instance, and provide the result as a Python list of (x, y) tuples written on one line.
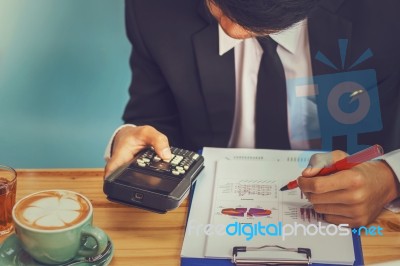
[(51, 210)]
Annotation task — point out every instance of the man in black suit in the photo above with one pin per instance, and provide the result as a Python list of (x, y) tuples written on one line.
[(183, 89)]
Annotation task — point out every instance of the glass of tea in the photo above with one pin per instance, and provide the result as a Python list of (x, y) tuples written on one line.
[(8, 188)]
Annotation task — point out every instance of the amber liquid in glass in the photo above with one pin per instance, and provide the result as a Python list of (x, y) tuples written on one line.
[(7, 201)]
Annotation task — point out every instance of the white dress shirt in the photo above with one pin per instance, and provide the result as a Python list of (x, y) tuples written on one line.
[(294, 51)]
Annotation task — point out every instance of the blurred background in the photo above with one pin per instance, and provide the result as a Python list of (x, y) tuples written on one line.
[(64, 76)]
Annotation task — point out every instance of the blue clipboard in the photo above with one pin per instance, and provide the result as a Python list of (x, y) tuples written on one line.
[(359, 259)]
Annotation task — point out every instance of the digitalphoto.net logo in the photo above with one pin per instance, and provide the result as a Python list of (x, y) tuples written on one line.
[(250, 230), (347, 100)]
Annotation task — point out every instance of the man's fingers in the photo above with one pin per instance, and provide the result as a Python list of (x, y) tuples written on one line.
[(337, 197), (334, 182), (319, 184), (119, 158), (342, 214), (317, 162), (158, 141), (336, 209), (161, 146), (129, 141), (321, 160), (352, 222)]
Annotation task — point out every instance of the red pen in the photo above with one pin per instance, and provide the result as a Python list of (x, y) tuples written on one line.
[(344, 164)]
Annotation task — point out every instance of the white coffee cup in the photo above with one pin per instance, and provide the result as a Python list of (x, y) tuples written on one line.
[(53, 226)]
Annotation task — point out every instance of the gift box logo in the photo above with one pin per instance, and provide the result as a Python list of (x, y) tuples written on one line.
[(347, 102)]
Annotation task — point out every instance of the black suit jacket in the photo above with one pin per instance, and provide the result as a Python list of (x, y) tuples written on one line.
[(181, 86)]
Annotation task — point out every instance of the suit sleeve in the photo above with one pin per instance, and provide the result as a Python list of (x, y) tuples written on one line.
[(393, 159), (151, 99)]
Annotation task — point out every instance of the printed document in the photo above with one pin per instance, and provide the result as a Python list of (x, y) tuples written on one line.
[(239, 191)]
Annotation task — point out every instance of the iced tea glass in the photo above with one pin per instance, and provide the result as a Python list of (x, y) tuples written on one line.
[(8, 188)]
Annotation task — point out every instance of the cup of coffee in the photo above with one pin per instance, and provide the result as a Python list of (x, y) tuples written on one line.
[(8, 187), (55, 226)]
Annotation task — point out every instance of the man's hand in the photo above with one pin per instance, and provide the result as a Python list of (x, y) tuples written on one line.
[(355, 196), (130, 140)]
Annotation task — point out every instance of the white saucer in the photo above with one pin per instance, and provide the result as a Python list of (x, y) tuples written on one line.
[(12, 254)]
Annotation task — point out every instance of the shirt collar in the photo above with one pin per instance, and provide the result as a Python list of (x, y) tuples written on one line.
[(288, 38)]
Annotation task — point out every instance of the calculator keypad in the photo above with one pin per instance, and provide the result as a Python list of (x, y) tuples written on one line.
[(177, 166)]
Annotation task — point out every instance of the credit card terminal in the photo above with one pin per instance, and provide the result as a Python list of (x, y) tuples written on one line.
[(154, 184)]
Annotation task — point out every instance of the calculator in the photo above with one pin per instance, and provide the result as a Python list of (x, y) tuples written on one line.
[(154, 184)]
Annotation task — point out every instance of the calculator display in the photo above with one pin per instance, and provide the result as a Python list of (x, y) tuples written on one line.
[(140, 180)]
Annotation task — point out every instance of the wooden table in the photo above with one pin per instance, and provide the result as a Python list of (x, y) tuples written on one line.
[(145, 238)]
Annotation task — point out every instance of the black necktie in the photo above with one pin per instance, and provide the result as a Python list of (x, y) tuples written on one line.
[(271, 102)]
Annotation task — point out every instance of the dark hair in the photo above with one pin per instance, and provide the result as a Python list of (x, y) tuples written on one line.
[(262, 16)]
